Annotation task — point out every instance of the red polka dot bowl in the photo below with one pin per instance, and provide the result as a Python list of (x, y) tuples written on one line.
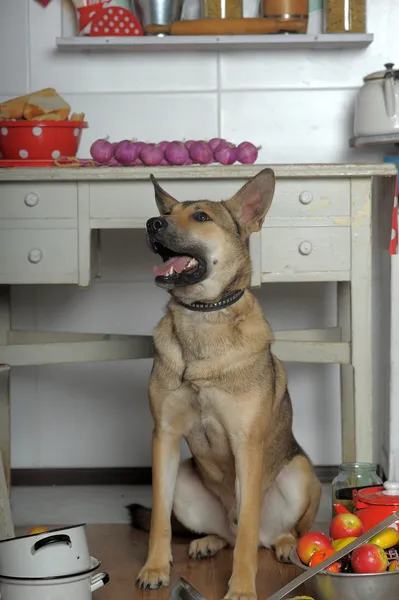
[(39, 140)]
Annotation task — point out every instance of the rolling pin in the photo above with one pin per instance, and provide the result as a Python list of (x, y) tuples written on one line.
[(224, 27)]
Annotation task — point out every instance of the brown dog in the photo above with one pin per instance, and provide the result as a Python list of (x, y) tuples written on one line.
[(216, 383)]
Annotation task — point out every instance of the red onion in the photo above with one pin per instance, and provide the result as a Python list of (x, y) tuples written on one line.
[(215, 143), (102, 151), (201, 152), (188, 162), (189, 143), (126, 153), (152, 156), (176, 153), (247, 153), (117, 144), (164, 163), (226, 154), (138, 163), (163, 145)]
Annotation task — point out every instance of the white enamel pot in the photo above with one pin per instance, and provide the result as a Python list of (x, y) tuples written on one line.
[(78, 587), (56, 553)]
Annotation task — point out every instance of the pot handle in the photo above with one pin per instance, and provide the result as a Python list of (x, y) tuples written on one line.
[(52, 539), (347, 493), (389, 91), (98, 581)]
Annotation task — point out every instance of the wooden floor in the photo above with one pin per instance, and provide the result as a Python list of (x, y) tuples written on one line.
[(122, 552)]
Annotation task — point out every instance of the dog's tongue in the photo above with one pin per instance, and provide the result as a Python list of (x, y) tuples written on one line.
[(177, 262)]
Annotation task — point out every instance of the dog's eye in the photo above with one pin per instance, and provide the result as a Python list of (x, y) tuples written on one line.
[(201, 216)]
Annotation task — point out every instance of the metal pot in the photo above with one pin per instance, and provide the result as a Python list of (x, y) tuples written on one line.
[(60, 552), (350, 586), (158, 12), (377, 104), (78, 587)]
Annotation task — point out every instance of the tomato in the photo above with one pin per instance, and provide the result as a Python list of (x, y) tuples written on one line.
[(321, 555)]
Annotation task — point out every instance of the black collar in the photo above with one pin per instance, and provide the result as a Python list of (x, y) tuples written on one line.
[(224, 302)]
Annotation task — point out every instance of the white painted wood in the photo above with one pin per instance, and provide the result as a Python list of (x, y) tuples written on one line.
[(6, 523), (332, 334), (129, 348), (38, 201), (346, 376), (219, 43), (311, 198), (37, 223), (361, 292), (319, 229), (254, 249), (313, 352), (84, 234), (243, 172), (38, 256), (290, 251), (135, 200), (5, 431), (303, 276), (393, 459), (139, 223)]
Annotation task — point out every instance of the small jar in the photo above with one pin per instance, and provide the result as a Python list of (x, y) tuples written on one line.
[(353, 475), (222, 9), (345, 16), (291, 15)]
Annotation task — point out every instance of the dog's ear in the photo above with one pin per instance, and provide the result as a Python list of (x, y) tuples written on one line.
[(250, 205), (165, 201)]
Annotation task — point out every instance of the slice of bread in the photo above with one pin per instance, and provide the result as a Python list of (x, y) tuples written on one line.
[(48, 117), (46, 102), (13, 109)]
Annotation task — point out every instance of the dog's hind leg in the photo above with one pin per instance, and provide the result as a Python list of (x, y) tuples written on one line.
[(289, 507), (198, 509)]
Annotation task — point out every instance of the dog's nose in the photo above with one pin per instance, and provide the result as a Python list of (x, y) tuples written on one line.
[(155, 225)]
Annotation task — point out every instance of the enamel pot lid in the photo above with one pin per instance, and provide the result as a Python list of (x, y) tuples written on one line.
[(388, 496)]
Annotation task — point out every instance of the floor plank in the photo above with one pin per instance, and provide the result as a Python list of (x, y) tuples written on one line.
[(122, 552)]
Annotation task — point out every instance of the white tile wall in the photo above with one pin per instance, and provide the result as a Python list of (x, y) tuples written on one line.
[(297, 105)]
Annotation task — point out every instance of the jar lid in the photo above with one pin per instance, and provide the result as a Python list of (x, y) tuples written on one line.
[(387, 496), (389, 70)]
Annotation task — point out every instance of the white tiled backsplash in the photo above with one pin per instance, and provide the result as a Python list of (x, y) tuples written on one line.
[(296, 104)]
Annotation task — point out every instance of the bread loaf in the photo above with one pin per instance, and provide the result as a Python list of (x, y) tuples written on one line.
[(46, 102)]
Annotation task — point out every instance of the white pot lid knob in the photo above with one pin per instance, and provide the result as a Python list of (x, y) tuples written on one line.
[(391, 488)]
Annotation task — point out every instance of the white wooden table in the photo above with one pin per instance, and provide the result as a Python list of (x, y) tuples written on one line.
[(327, 223)]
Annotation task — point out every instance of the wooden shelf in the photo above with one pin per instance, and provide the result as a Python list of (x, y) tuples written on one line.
[(321, 41)]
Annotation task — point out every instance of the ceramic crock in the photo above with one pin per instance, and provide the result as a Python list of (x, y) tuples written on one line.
[(60, 552), (377, 104)]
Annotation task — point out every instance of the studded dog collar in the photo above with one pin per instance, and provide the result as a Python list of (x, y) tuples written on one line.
[(224, 302)]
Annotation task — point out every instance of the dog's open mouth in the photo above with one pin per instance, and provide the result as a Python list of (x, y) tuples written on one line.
[(177, 269)]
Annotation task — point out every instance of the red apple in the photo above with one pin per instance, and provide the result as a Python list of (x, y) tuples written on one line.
[(345, 525), (369, 558), (310, 543)]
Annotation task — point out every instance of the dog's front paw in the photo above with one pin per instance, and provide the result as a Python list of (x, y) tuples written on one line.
[(240, 595), (152, 577)]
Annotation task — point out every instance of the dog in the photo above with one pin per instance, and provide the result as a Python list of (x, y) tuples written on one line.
[(216, 383)]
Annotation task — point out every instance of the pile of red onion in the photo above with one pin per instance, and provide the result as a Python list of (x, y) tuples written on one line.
[(132, 153)]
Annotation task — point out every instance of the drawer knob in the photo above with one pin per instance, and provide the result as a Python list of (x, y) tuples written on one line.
[(305, 197), (35, 255), (305, 248), (31, 199)]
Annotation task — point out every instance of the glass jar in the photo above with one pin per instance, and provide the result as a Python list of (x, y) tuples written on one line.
[(222, 9), (353, 475), (345, 16)]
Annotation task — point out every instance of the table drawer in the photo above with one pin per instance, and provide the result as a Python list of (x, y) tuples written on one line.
[(291, 250), (293, 197), (38, 200), (311, 198), (38, 256)]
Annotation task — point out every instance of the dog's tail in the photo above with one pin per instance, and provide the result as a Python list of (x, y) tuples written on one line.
[(140, 519)]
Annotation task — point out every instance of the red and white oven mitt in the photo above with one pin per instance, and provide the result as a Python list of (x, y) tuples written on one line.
[(107, 19)]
